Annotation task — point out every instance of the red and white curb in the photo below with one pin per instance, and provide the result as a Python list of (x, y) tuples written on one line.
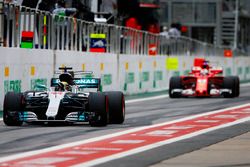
[(105, 148)]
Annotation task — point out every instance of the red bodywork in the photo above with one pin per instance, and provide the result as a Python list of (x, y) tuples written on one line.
[(202, 79)]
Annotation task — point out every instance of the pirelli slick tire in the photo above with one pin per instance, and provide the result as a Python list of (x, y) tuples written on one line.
[(11, 107), (98, 104), (236, 85), (175, 83), (231, 83), (116, 102)]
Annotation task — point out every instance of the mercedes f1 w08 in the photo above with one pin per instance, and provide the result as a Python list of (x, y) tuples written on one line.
[(68, 99), (204, 81)]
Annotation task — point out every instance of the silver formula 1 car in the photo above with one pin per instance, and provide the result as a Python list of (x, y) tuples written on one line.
[(67, 100)]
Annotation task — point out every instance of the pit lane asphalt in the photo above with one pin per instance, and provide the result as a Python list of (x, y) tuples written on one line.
[(32, 137)]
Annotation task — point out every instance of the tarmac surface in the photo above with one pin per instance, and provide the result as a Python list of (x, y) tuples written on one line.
[(234, 152), (223, 147)]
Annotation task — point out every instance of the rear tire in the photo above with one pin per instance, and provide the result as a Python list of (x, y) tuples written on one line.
[(175, 83), (116, 102), (98, 104), (11, 107)]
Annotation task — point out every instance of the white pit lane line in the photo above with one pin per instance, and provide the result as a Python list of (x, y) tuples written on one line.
[(137, 150)]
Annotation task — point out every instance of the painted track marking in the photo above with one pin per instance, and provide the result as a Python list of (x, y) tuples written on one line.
[(110, 147)]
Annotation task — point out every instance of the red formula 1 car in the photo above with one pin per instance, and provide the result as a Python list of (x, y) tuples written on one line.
[(204, 81)]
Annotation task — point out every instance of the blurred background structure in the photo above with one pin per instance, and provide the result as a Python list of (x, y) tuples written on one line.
[(224, 23), (221, 22)]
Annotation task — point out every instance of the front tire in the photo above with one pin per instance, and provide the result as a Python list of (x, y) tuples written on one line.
[(236, 85), (12, 106), (116, 102), (175, 83), (98, 104), (231, 83)]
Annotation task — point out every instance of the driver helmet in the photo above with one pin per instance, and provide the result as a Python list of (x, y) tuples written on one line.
[(64, 86), (205, 64)]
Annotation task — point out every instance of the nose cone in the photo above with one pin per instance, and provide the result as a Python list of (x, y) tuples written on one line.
[(201, 87)]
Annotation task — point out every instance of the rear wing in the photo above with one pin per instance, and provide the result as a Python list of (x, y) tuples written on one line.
[(80, 82), (88, 82)]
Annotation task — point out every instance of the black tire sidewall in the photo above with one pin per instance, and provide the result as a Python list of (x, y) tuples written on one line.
[(236, 85), (98, 103), (229, 83), (12, 103), (175, 83), (116, 103)]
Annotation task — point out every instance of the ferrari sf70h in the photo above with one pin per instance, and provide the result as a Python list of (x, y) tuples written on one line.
[(204, 81)]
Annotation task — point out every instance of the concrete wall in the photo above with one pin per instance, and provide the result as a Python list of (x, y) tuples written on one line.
[(21, 69)]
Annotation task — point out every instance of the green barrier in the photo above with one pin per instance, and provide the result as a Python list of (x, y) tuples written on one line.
[(106, 79), (239, 71), (144, 77), (12, 85), (158, 76), (228, 71), (35, 82), (129, 79), (186, 72), (176, 73)]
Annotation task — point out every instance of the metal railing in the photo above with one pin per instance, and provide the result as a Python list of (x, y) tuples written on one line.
[(68, 33)]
